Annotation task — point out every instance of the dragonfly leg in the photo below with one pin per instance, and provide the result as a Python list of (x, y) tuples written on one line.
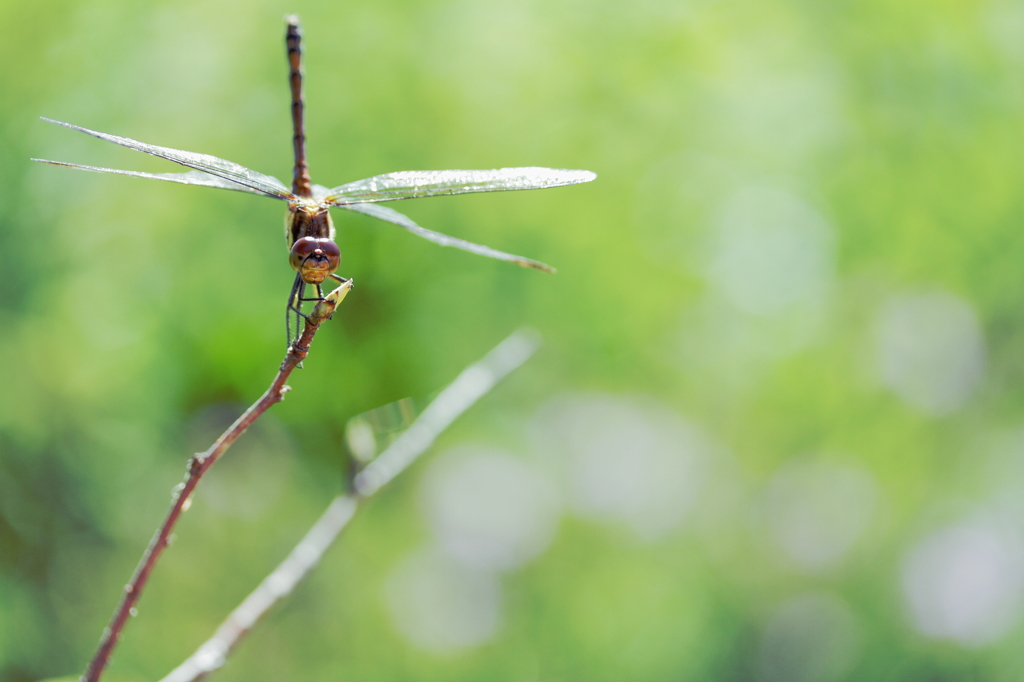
[(295, 300), (299, 298), (318, 295), (294, 310)]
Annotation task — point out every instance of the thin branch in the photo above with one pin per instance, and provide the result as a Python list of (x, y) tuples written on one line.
[(198, 465), (473, 383)]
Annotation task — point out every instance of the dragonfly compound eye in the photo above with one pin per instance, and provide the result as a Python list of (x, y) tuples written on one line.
[(314, 258)]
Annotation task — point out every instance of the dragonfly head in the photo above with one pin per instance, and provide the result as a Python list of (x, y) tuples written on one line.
[(314, 259)]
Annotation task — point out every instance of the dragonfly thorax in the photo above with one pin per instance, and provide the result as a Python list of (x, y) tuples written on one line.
[(307, 219)]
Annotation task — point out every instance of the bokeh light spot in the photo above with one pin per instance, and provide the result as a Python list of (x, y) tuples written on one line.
[(489, 509), (812, 637), (965, 582), (817, 510), (771, 252), (631, 461), (441, 605), (930, 350)]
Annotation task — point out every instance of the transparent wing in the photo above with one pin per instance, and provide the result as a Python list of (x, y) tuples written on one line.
[(411, 184), (370, 433), (392, 216), (189, 178), (250, 180)]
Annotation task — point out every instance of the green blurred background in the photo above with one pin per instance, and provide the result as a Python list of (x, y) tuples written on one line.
[(776, 431)]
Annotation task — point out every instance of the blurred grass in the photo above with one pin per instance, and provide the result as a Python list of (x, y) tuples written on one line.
[(129, 310)]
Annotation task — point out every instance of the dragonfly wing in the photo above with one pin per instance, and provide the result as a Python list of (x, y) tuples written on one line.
[(370, 433), (190, 178), (412, 184), (392, 216), (221, 168)]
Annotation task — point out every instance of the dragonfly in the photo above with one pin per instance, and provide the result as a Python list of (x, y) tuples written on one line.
[(309, 230)]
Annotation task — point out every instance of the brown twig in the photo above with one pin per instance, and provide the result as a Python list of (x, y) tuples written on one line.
[(198, 465), (473, 383)]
